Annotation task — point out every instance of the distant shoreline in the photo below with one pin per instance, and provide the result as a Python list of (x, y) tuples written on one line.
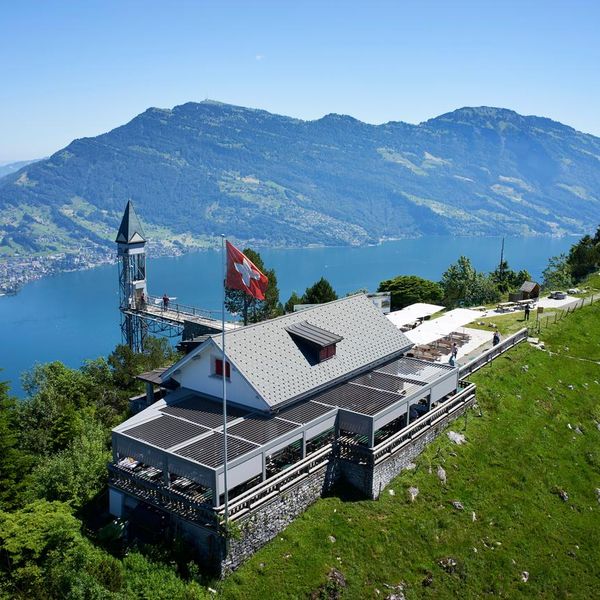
[(17, 272)]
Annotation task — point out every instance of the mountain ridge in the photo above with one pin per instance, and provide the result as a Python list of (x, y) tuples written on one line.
[(197, 168)]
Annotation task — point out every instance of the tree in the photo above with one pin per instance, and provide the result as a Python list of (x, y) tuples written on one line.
[(13, 462), (408, 289), (76, 474), (30, 535), (320, 292), (464, 286), (584, 256), (557, 275), (126, 364), (292, 301), (251, 309), (506, 279)]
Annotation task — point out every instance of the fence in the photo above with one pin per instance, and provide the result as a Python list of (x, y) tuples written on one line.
[(489, 355), (543, 322)]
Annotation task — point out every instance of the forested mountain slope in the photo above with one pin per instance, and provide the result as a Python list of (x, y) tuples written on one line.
[(207, 168)]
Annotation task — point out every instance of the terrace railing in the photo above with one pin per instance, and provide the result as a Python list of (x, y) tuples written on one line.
[(489, 355), (270, 488), (155, 492)]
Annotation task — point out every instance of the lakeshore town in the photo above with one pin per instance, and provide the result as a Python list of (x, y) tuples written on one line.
[(17, 271)]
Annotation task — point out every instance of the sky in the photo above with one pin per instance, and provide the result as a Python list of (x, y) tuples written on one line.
[(71, 69)]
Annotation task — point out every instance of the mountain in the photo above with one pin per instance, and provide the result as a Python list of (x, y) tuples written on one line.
[(207, 168), (13, 167)]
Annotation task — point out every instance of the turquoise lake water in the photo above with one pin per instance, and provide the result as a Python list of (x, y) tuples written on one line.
[(74, 316)]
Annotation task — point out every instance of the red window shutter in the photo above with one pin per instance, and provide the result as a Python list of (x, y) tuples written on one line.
[(219, 368), (326, 352)]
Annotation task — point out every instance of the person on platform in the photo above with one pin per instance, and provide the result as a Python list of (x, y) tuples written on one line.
[(165, 301), (496, 338)]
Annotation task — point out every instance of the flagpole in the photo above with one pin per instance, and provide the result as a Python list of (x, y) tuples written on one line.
[(224, 383)]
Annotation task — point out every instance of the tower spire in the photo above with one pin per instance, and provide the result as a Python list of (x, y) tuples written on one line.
[(130, 230)]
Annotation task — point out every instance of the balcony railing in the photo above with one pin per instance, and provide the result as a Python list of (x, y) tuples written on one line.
[(270, 488), (155, 492), (182, 310)]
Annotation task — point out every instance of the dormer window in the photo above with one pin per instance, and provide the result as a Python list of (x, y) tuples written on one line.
[(317, 345), (219, 368), (327, 352)]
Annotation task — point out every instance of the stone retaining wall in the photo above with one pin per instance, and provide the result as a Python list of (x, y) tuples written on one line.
[(254, 530)]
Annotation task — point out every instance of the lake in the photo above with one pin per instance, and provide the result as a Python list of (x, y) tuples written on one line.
[(74, 316)]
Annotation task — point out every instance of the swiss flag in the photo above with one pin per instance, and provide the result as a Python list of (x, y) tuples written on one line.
[(243, 275)]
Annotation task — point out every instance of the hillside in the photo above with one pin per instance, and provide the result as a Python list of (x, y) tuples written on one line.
[(204, 168), (13, 167), (537, 436)]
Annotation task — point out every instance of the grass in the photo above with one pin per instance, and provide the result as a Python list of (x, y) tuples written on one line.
[(507, 323), (520, 454)]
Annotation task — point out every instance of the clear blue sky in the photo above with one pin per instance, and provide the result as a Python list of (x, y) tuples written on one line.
[(79, 68)]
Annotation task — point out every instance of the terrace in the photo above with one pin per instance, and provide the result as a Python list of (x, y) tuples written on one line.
[(171, 454)]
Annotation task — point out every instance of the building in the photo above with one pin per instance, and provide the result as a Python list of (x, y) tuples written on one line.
[(312, 396), (530, 290)]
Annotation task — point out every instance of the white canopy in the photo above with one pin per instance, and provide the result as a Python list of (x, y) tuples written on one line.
[(430, 331), (411, 313)]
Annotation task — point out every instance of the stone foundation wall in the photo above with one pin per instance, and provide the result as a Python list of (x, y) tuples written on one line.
[(259, 527)]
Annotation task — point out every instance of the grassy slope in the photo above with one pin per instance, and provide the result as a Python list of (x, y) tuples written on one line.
[(519, 454)]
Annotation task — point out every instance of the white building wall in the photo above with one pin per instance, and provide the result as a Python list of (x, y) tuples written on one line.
[(198, 375)]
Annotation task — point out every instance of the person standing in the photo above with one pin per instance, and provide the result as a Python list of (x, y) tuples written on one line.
[(454, 350), (165, 300), (496, 338), (527, 311)]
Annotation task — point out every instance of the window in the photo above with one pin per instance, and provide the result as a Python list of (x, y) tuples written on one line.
[(219, 368)]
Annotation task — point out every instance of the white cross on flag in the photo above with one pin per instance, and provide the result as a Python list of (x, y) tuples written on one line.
[(243, 275)]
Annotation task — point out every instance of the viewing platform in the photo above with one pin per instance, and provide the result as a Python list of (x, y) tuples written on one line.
[(180, 316)]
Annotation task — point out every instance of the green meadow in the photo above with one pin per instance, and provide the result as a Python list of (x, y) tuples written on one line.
[(527, 479)]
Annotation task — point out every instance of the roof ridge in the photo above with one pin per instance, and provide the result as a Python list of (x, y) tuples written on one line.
[(288, 315)]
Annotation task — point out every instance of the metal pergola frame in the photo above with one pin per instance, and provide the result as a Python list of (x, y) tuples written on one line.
[(253, 462)]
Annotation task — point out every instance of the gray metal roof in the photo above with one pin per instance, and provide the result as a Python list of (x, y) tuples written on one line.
[(165, 432), (313, 334), (130, 230), (270, 360), (529, 286), (209, 450), (154, 376), (304, 412), (260, 430), (416, 370), (359, 399), (203, 411)]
